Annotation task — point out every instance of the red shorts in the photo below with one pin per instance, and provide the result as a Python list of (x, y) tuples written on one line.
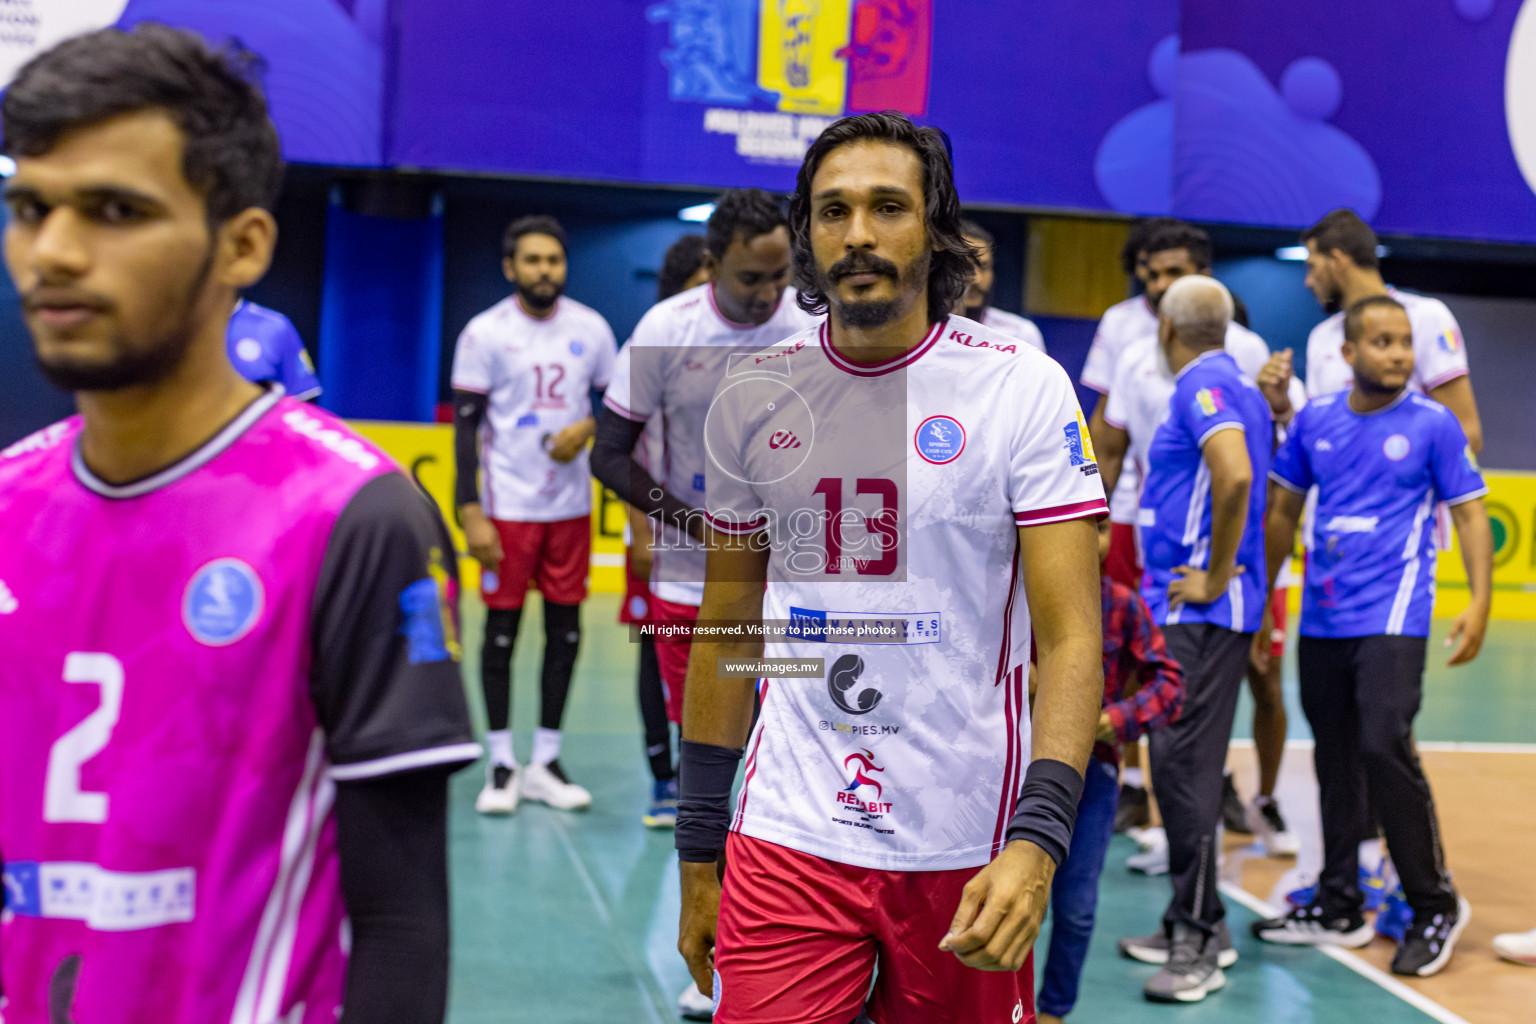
[(1121, 565), (637, 593), (672, 655), (555, 556), (1277, 609), (799, 937)]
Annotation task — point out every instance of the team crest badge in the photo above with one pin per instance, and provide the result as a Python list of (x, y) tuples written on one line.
[(577, 348), (1395, 448), (940, 440), (223, 602)]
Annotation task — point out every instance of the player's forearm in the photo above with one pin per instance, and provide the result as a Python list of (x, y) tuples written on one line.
[(1475, 535), (1280, 523), (1229, 515), (1068, 700), (613, 464), (1456, 395), (1061, 579), (392, 841), (468, 411), (718, 709), (1111, 463)]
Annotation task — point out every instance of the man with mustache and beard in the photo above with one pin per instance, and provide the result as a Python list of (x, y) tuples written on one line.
[(524, 372), (231, 697), (898, 494), (976, 304)]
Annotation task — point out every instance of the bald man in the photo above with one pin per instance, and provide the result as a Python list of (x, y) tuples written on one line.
[(1201, 518)]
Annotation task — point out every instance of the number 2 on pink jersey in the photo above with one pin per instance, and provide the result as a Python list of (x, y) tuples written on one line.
[(63, 799)]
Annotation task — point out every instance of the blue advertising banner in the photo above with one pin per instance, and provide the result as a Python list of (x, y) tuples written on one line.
[(1421, 114)]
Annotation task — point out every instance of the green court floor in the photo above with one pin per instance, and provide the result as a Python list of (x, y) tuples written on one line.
[(566, 918)]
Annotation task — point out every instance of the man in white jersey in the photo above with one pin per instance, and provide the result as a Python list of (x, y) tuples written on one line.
[(523, 375), (669, 369), (900, 495), (1342, 269), (976, 304), (1121, 324)]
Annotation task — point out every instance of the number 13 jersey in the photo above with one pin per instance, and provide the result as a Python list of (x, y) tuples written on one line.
[(890, 495)]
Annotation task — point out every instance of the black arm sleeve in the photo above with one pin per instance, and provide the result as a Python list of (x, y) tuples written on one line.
[(614, 465), (384, 674), (468, 412), (392, 839)]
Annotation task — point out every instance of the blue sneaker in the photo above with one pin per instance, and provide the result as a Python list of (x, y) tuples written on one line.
[(1373, 889), (663, 810), (1396, 916)]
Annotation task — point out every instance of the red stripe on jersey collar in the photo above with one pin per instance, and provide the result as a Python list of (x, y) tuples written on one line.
[(847, 365)]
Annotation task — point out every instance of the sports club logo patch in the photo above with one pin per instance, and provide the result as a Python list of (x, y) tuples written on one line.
[(223, 601), (940, 440), (1396, 447), (1079, 446), (426, 620), (577, 348), (863, 798), (1450, 341), (1208, 402)]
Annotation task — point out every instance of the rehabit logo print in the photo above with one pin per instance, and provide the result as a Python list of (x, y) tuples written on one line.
[(864, 796)]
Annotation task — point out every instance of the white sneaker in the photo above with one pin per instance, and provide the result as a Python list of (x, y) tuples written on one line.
[(695, 1005), (548, 784), (1269, 828), (1519, 947), (1152, 861), (503, 789), (1146, 838)]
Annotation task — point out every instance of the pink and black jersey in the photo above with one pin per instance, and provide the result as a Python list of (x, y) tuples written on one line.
[(890, 497), (192, 663)]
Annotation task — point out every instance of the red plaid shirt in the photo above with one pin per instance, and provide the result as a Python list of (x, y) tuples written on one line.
[(1134, 648)]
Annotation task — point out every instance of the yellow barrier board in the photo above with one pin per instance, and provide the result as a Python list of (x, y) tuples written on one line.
[(426, 450)]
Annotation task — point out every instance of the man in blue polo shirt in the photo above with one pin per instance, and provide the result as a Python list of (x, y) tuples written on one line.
[(265, 346), (1201, 523), (1381, 459)]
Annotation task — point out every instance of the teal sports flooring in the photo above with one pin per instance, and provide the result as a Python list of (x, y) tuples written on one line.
[(564, 918)]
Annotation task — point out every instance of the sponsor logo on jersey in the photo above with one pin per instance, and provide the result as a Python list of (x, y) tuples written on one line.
[(1396, 447), (855, 729), (692, 365), (698, 481), (223, 601), (940, 439), (1079, 446), (527, 419), (783, 439), (577, 348), (969, 340), (8, 602), (421, 608), (815, 625), (248, 350), (104, 900), (1450, 341), (845, 690), (1208, 402), (1325, 445), (38, 442), (864, 793), (350, 449)]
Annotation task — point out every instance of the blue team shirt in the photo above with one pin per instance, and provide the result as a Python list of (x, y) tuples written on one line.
[(265, 346), (1371, 568), (1212, 395)]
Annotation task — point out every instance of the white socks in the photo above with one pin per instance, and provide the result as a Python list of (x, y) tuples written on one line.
[(546, 746), (1134, 777), (500, 743)]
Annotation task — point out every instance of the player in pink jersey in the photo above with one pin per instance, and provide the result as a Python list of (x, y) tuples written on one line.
[(923, 477), (230, 698)]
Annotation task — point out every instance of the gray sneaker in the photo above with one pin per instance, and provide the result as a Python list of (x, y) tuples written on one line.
[(1153, 949), (1191, 972)]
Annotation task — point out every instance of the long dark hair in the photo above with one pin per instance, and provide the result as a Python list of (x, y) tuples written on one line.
[(952, 265)]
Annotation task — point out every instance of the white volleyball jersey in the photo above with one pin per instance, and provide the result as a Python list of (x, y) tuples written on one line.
[(1138, 400), (669, 370), (1120, 326), (891, 495), (1015, 326), (539, 375), (1439, 353)]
